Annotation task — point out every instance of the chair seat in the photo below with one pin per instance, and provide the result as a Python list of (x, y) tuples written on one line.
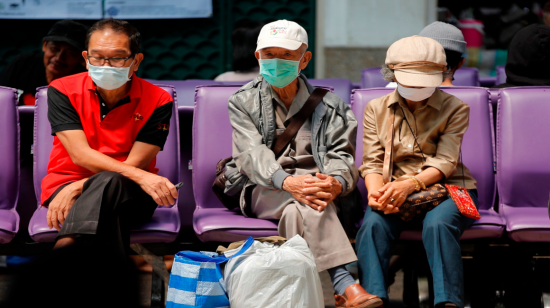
[(490, 225), (162, 228), (9, 225), (223, 225), (527, 224)]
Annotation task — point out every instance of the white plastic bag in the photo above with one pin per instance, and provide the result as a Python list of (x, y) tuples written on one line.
[(270, 276)]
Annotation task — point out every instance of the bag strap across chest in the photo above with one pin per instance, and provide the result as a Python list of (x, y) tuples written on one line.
[(298, 120), (387, 169)]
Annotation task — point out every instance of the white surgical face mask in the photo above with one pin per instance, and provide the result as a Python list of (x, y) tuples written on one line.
[(108, 77), (415, 94)]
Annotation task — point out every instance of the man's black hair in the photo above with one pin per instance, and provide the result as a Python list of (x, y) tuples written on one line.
[(118, 26), (453, 58), (244, 38)]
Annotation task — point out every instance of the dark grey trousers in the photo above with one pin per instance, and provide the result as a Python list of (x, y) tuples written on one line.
[(110, 205)]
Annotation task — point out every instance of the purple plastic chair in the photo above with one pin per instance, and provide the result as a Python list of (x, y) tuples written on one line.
[(501, 75), (9, 177), (477, 152), (165, 223), (185, 90), (487, 82), (342, 87), (523, 170), (372, 78), (466, 76), (212, 141)]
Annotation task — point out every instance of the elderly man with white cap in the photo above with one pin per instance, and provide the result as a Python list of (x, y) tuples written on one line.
[(427, 126), (298, 177)]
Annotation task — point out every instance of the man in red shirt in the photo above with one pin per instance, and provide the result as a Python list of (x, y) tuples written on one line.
[(109, 126)]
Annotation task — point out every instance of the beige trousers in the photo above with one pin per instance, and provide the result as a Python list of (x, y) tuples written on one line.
[(323, 232)]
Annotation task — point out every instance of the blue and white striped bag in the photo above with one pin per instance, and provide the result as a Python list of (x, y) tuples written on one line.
[(197, 280)]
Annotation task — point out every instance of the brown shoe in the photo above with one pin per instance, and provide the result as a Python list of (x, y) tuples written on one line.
[(356, 297)]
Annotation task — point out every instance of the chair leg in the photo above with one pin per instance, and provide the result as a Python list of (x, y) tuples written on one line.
[(157, 290), (410, 286)]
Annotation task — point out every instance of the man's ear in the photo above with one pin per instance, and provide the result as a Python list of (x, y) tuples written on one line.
[(44, 45), (137, 61), (85, 57), (305, 60)]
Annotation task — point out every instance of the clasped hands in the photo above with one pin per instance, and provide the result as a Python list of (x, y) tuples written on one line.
[(317, 192), (391, 196)]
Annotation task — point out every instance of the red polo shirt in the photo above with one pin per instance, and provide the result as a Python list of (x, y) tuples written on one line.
[(75, 104)]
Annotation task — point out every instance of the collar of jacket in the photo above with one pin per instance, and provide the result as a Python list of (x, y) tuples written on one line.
[(321, 108)]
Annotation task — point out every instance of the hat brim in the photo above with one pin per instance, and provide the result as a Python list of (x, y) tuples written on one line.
[(73, 43), (413, 78), (278, 42)]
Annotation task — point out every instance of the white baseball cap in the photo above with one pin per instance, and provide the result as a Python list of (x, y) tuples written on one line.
[(282, 33)]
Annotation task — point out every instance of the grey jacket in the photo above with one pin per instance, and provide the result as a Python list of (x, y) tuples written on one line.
[(251, 112)]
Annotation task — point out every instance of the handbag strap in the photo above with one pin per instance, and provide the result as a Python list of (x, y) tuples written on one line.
[(387, 169), (298, 120)]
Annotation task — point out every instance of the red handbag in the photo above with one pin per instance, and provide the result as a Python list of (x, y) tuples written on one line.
[(463, 201)]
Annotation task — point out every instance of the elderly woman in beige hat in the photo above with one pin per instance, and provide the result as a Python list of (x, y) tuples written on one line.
[(428, 128)]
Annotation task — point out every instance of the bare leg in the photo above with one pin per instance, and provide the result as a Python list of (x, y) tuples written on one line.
[(65, 241)]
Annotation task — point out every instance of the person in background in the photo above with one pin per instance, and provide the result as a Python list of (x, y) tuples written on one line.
[(429, 128), (528, 61), (60, 57), (303, 184), (452, 40), (245, 65)]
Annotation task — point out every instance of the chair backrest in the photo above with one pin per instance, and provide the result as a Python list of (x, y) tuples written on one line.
[(487, 81), (523, 171), (212, 140), (9, 149), (342, 87), (185, 89), (501, 74), (372, 78), (466, 76), (168, 160), (477, 146)]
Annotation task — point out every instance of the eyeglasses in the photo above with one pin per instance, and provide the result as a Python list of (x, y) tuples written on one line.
[(114, 62)]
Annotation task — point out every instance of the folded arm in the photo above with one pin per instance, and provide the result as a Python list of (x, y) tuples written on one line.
[(252, 157)]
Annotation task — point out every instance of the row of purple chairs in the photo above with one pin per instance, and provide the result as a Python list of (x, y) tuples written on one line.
[(211, 139), (165, 224), (523, 177)]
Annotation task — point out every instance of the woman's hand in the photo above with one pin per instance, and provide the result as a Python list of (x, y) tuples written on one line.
[(62, 203), (158, 187), (394, 194)]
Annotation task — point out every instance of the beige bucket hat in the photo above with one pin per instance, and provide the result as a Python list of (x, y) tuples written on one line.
[(417, 61)]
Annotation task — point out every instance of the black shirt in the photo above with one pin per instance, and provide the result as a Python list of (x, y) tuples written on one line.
[(26, 72), (63, 116)]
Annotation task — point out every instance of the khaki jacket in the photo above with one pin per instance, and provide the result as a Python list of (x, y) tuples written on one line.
[(439, 127)]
